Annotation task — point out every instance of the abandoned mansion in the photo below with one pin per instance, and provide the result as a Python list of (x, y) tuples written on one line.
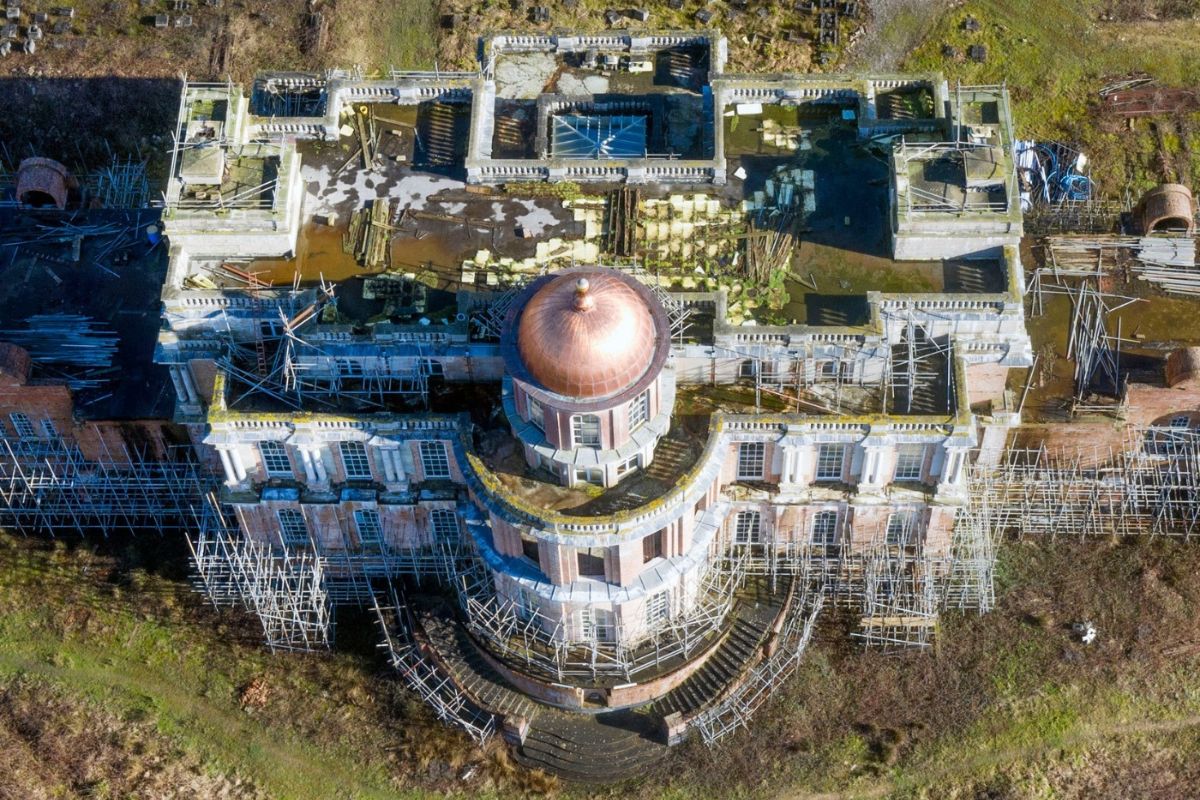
[(597, 374)]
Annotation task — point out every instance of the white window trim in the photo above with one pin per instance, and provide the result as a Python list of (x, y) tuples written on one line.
[(760, 458), (266, 460), (577, 430), (430, 457), (907, 474), (841, 462), (360, 456), (291, 539), (821, 516), (747, 527), (374, 521)]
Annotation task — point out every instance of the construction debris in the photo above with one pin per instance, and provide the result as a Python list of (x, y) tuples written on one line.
[(370, 235)]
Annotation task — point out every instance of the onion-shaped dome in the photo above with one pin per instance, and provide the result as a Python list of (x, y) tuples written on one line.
[(587, 335)]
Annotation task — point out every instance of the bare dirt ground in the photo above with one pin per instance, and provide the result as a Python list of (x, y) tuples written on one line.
[(228, 38), (55, 745), (893, 29)]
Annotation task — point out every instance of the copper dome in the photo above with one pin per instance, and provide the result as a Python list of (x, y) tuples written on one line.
[(587, 334)]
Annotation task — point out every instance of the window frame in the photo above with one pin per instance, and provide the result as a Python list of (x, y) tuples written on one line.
[(536, 413), (639, 411), (824, 523), (266, 459), (370, 534), (443, 523), (900, 474), (658, 608), (359, 458), (431, 458), (578, 431), (288, 535), (747, 527), (824, 465), (901, 537), (1180, 422), (748, 454), (49, 430), (22, 425)]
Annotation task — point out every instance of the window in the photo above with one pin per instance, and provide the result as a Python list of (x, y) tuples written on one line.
[(658, 608), (349, 368), (830, 458), (604, 625), (639, 411), (22, 427), (48, 429), (432, 367), (293, 529), (747, 369), (526, 605), (909, 460), (370, 530), (585, 428), (824, 528), (444, 523), (594, 475), (897, 530), (1182, 421), (355, 461), (627, 466), (537, 414), (434, 460), (275, 459), (751, 459), (829, 370), (652, 547), (587, 624), (746, 528), (529, 549), (591, 562)]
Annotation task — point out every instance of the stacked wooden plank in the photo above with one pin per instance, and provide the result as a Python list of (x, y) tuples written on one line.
[(370, 235)]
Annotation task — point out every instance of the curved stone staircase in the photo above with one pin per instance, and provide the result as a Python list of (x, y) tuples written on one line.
[(607, 746)]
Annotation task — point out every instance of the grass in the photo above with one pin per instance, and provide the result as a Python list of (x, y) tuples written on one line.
[(119, 641), (109, 654), (1055, 72)]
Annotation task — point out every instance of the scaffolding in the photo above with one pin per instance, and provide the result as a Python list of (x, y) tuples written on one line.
[(48, 486), (735, 709), (1149, 487), (284, 588), (296, 371), (891, 581), (902, 587), (919, 369), (123, 184), (553, 649), (435, 687)]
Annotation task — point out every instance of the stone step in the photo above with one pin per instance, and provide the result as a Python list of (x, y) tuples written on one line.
[(592, 748)]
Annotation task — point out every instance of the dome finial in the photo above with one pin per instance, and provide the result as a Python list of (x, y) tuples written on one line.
[(583, 300)]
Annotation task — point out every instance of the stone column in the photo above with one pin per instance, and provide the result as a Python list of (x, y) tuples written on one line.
[(239, 467), (230, 475), (189, 384), (310, 474), (871, 477)]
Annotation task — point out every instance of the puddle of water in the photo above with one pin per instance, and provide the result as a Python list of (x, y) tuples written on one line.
[(319, 253)]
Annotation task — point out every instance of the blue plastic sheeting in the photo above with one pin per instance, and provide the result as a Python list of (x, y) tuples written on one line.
[(588, 136)]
